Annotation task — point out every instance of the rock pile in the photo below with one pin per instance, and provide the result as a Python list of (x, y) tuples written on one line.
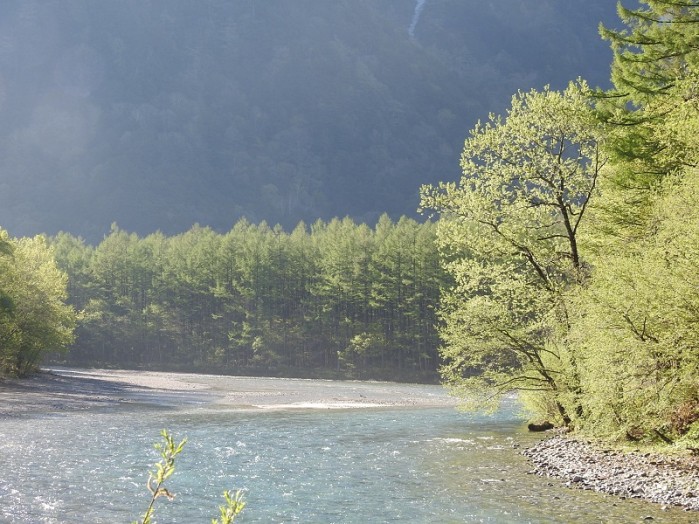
[(662, 479)]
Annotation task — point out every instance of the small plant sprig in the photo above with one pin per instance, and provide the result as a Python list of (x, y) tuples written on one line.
[(234, 505), (164, 468)]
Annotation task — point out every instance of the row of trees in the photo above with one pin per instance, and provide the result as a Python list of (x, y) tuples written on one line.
[(33, 313), (573, 239), (335, 297)]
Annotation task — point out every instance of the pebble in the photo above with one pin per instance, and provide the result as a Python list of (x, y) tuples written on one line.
[(664, 480)]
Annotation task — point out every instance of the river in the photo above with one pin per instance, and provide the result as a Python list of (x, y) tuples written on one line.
[(361, 465)]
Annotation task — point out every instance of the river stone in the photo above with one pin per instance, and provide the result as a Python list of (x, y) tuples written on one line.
[(669, 481)]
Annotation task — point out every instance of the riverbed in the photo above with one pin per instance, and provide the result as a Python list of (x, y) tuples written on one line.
[(75, 446)]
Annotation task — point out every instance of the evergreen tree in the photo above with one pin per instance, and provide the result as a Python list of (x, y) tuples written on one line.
[(651, 110), (657, 49), (339, 297)]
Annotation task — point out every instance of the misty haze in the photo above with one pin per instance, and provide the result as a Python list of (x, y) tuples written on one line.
[(159, 115)]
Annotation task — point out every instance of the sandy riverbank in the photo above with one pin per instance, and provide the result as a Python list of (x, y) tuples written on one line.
[(67, 389)]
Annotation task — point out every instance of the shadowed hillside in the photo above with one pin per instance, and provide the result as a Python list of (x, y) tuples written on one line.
[(161, 114)]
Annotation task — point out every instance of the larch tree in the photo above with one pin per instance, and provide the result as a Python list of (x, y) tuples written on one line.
[(650, 110)]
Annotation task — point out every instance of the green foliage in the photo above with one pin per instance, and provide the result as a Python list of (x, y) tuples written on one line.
[(509, 235), (260, 300), (33, 315), (164, 469), (655, 50), (637, 322), (640, 324), (652, 110), (231, 509), (581, 290)]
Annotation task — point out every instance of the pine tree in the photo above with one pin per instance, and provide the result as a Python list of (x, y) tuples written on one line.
[(658, 47), (655, 72)]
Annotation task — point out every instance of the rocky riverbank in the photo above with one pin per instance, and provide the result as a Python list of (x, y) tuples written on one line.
[(663, 479)]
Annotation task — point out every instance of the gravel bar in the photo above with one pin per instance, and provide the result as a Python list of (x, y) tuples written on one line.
[(667, 480)]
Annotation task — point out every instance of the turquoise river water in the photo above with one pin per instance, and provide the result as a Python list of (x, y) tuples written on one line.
[(402, 465)]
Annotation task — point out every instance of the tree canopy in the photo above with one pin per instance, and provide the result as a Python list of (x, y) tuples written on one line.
[(334, 299), (510, 232), (34, 318), (572, 240)]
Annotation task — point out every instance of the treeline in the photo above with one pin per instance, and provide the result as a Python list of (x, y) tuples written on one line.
[(33, 313), (573, 238), (333, 299)]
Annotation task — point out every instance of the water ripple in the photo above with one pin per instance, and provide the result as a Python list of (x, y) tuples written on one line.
[(387, 465)]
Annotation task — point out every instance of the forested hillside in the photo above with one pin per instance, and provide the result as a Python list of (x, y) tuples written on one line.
[(158, 115), (333, 299), (573, 240)]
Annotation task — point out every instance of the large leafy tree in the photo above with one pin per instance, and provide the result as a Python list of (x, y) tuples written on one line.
[(510, 236), (33, 315), (7, 304), (639, 327)]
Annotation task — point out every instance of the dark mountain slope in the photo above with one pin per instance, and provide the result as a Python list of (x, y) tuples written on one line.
[(164, 113)]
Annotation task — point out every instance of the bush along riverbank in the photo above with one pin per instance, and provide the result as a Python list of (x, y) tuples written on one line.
[(667, 480)]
